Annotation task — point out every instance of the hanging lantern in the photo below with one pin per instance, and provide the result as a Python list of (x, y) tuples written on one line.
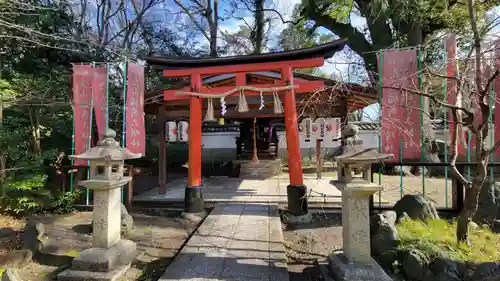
[(308, 124), (320, 128), (171, 131), (333, 128), (182, 131)]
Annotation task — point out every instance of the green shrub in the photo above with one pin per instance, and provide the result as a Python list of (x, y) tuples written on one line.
[(437, 237), (27, 195), (64, 203)]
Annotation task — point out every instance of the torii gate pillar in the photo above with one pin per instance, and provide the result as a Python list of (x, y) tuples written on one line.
[(193, 195), (296, 191)]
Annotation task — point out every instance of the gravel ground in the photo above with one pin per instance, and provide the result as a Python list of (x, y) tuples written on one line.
[(158, 236), (310, 242)]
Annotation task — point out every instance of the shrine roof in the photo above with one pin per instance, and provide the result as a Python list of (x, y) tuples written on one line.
[(326, 50)]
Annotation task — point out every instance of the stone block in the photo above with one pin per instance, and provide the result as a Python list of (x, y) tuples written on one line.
[(106, 225), (11, 275), (342, 269), (78, 275), (32, 235), (105, 260), (356, 227)]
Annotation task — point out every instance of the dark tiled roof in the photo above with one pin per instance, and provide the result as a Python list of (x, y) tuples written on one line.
[(325, 50)]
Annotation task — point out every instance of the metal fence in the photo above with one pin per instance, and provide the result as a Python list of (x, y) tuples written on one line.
[(444, 191), (73, 174)]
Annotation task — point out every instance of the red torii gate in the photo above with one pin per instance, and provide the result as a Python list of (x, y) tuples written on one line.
[(284, 62)]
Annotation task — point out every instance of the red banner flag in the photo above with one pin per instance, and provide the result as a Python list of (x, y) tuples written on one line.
[(99, 88), (497, 98), (451, 95), (82, 104), (400, 118), (135, 133)]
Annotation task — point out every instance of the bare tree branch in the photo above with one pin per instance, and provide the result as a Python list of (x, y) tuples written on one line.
[(193, 18)]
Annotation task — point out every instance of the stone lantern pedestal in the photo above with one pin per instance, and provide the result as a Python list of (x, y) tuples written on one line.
[(110, 256), (355, 262)]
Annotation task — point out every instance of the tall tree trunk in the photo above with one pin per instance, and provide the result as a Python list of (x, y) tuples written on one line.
[(471, 200), (35, 130), (259, 26), (213, 22), (3, 156), (38, 145), (481, 134)]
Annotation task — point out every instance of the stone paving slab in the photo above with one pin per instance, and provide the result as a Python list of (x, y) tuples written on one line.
[(235, 190), (235, 242)]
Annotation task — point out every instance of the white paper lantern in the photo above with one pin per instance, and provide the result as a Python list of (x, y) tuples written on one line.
[(182, 131), (171, 131), (307, 126), (333, 128), (319, 128)]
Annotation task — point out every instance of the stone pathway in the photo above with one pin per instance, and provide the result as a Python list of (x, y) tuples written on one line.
[(236, 190), (235, 242)]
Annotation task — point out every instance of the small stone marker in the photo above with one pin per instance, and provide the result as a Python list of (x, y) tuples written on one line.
[(110, 256), (12, 261), (11, 274), (356, 263), (32, 235)]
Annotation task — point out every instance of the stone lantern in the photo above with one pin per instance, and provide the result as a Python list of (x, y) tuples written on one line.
[(110, 256), (356, 263)]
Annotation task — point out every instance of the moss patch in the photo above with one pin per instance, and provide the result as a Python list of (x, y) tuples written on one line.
[(438, 237), (73, 254)]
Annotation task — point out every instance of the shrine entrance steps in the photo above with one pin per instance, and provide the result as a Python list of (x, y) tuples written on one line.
[(261, 170), (235, 242)]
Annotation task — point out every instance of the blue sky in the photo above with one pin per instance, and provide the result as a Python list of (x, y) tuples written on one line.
[(337, 65)]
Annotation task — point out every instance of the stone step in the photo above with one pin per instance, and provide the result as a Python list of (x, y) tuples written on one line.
[(263, 169), (259, 166)]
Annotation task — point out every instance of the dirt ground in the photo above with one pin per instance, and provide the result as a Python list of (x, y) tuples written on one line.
[(159, 236), (311, 242)]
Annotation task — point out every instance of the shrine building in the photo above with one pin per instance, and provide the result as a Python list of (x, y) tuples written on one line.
[(251, 111)]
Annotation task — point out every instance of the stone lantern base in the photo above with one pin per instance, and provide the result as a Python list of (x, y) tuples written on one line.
[(342, 269), (100, 264)]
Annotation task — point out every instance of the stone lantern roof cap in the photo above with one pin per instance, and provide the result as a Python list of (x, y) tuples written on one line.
[(353, 151), (107, 149)]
